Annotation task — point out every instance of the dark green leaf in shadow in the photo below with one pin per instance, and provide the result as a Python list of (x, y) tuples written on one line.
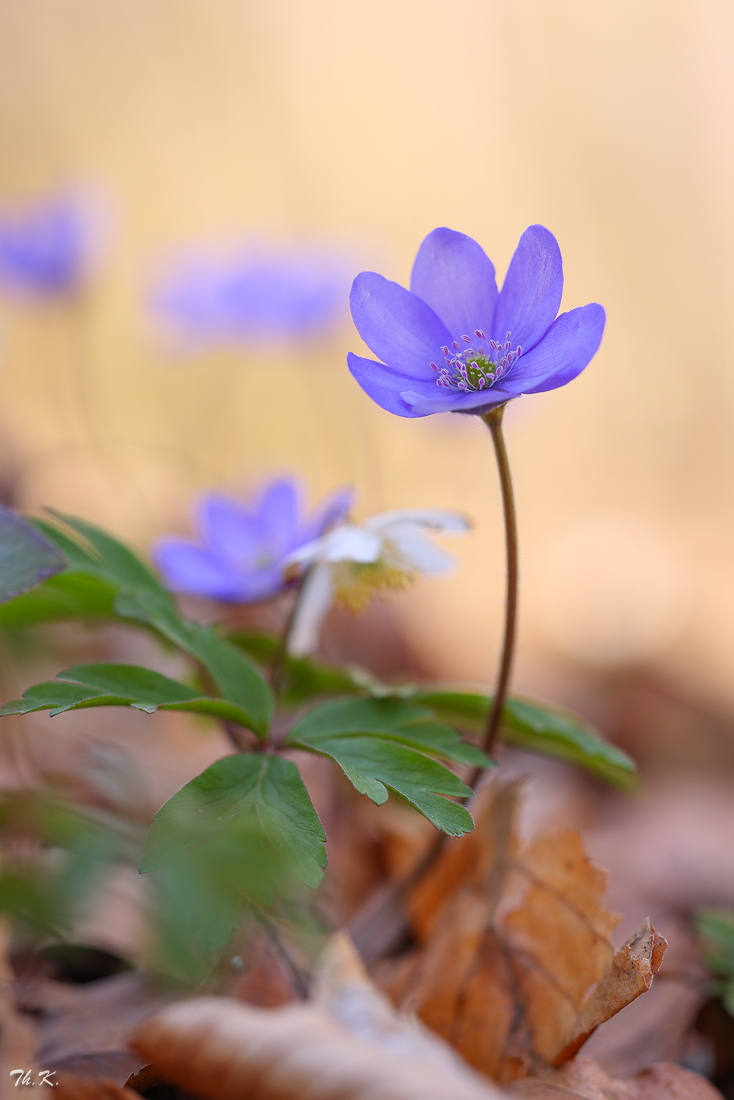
[(27, 557), (64, 597), (539, 728)]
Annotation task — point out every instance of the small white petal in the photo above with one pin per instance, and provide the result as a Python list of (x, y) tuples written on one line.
[(418, 552), (345, 543), (436, 519), (352, 543), (314, 603)]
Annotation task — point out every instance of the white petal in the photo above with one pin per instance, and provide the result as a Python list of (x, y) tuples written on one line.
[(437, 519), (416, 551), (314, 602), (345, 543), (351, 543)]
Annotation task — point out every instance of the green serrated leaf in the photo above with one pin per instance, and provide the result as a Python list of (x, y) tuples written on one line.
[(105, 684), (263, 789), (539, 728), (376, 764), (52, 696), (141, 685), (26, 556)]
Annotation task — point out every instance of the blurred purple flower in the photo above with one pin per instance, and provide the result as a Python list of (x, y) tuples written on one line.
[(255, 296), (452, 343), (240, 551), (45, 249)]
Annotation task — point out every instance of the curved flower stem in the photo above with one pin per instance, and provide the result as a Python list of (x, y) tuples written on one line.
[(493, 420), (382, 924)]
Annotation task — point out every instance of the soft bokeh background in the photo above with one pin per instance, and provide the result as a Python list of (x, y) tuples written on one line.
[(360, 128)]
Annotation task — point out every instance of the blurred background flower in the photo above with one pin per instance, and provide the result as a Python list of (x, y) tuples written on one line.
[(47, 248), (258, 295)]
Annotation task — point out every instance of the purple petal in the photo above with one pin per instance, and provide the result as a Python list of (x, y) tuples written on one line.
[(406, 397), (562, 354), (396, 325), (477, 402), (384, 386), (277, 516), (456, 278), (531, 295), (190, 568), (334, 509), (229, 530), (200, 572)]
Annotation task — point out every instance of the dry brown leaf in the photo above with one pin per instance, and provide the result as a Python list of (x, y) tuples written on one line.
[(349, 1045), (583, 1079), (70, 1087), (514, 964)]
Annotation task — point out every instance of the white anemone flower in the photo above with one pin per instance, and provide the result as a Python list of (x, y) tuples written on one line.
[(353, 562)]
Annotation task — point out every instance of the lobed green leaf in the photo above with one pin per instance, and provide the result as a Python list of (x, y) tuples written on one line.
[(266, 791), (388, 744)]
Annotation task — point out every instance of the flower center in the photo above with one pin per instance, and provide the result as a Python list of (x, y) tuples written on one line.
[(356, 583), (476, 366)]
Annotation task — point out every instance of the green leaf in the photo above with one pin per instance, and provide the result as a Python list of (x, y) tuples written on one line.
[(360, 715), (381, 745), (395, 719), (233, 674), (237, 680), (557, 733), (26, 556), (93, 551), (265, 790), (376, 765), (303, 677), (61, 598), (104, 685), (541, 729), (715, 927)]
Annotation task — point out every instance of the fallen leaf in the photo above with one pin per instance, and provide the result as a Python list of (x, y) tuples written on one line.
[(70, 1087), (350, 1044), (513, 963), (583, 1079)]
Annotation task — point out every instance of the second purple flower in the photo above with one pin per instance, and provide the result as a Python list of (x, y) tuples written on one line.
[(239, 554)]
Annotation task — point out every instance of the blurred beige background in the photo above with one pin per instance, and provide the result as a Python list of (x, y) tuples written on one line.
[(367, 125)]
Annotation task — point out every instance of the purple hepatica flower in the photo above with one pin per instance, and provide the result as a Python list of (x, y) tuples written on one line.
[(46, 249), (253, 297), (452, 343), (240, 551)]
